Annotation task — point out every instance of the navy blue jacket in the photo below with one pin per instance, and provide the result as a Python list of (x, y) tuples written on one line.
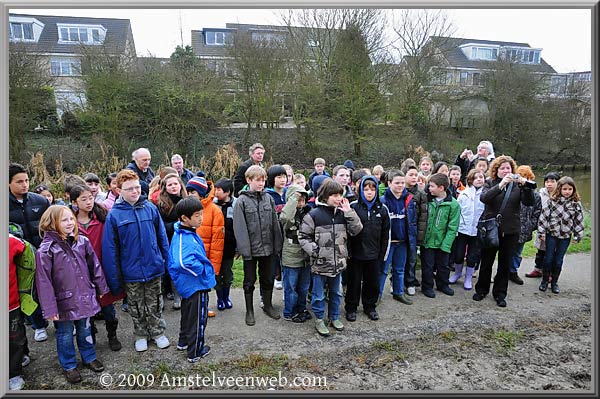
[(403, 216), (27, 214)]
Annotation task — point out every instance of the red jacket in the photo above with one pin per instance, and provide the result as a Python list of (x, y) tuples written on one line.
[(15, 248)]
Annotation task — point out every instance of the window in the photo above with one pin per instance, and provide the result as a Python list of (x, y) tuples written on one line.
[(69, 101), (78, 34), (21, 31), (482, 53), (65, 68), (216, 38), (313, 43), (464, 75), (268, 37), (476, 79)]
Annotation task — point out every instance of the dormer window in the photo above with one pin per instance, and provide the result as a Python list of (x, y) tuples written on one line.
[(24, 29), (86, 34), (21, 31), (483, 53), (215, 38)]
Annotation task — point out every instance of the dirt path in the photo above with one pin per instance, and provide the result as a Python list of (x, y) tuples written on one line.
[(541, 341)]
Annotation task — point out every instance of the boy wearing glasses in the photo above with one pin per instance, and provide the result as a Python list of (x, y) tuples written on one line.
[(135, 251)]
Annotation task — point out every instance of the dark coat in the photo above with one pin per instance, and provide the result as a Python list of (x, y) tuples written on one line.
[(492, 196), (421, 202), (68, 277), (401, 209), (227, 210), (27, 215), (239, 179), (145, 177)]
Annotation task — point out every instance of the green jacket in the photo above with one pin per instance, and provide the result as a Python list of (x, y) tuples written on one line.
[(25, 277), (442, 223), (291, 217)]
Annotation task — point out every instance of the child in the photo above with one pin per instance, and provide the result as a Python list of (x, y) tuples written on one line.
[(135, 252), (276, 182), (44, 190), (562, 218), (529, 216), (225, 201), (290, 175), (296, 273), (466, 242), (420, 199), (421, 181), (90, 222), (550, 180), (482, 165), (300, 180), (323, 236), (403, 235), (258, 237), (369, 249), (193, 275), (212, 229), (112, 194), (456, 186), (319, 164), (425, 165), (93, 182), (343, 175), (442, 225), (316, 185), (68, 277)]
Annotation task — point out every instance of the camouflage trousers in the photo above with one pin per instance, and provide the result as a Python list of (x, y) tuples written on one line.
[(145, 306)]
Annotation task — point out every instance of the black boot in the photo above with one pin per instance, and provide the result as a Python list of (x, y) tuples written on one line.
[(544, 283), (94, 330), (554, 282), (268, 309), (249, 309), (111, 329)]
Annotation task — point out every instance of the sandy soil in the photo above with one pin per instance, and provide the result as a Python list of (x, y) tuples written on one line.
[(541, 341)]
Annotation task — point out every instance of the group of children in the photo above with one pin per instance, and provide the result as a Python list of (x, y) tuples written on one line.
[(350, 229)]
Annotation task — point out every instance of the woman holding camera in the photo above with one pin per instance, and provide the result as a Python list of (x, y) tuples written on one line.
[(502, 179)]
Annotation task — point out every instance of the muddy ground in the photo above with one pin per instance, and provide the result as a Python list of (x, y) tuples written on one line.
[(541, 341)]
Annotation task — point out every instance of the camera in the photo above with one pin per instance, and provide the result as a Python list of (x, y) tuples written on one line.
[(516, 177)]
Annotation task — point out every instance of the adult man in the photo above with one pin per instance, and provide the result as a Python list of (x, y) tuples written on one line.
[(467, 160), (26, 209), (141, 166), (257, 153), (177, 163)]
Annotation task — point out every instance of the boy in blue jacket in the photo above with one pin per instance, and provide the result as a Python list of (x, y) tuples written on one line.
[(193, 276)]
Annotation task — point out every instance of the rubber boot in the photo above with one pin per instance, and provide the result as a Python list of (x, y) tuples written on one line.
[(220, 302), (457, 273), (111, 329), (268, 309), (468, 276), (554, 282), (249, 309), (228, 303), (544, 283)]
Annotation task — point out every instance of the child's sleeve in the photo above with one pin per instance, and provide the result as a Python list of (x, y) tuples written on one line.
[(543, 221), (452, 228), (288, 213), (578, 224), (240, 230), (306, 237), (161, 238), (43, 281), (111, 252), (217, 239), (277, 235), (423, 213), (385, 235), (94, 266), (354, 225)]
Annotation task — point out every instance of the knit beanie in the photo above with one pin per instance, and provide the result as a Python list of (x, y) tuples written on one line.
[(198, 184), (349, 164)]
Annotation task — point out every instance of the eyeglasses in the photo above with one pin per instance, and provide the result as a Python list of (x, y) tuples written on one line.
[(134, 188)]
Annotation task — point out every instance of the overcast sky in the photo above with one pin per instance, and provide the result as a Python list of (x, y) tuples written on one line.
[(563, 34)]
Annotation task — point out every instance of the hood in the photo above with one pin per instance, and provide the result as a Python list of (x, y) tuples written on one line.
[(292, 189), (316, 183), (210, 196), (251, 194), (362, 194)]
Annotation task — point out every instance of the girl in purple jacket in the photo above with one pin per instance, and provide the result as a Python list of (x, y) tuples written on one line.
[(68, 277)]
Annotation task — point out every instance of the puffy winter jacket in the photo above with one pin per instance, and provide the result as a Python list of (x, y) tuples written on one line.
[(529, 216), (68, 277), (255, 224), (27, 214), (323, 235), (212, 230), (374, 238), (442, 223), (135, 247), (471, 209), (421, 202), (492, 196), (403, 216), (189, 267), (227, 211), (291, 219)]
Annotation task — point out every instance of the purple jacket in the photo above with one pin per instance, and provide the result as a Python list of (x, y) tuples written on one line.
[(63, 277)]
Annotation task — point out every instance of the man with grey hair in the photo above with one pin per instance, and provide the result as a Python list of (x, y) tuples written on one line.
[(467, 160), (257, 153), (141, 166), (177, 164)]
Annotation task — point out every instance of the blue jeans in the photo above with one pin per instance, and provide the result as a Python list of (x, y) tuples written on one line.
[(517, 258), (318, 296), (295, 285), (65, 347), (397, 259), (37, 319), (410, 275), (556, 248)]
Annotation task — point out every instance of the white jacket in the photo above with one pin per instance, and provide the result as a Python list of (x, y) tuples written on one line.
[(471, 209)]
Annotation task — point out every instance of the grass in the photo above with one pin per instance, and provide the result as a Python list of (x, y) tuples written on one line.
[(261, 365), (506, 340), (394, 347)]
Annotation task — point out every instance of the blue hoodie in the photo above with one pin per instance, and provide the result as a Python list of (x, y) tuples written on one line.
[(403, 216)]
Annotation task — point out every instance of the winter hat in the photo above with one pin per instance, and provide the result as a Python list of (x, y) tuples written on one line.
[(316, 183), (198, 184), (349, 164)]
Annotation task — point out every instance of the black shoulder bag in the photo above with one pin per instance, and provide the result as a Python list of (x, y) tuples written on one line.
[(487, 229)]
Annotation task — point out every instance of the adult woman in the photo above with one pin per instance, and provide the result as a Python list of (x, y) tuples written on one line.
[(502, 175)]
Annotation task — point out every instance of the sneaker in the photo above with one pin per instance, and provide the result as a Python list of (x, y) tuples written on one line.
[(262, 304), (203, 353), (141, 345), (411, 291), (177, 303), (16, 383), (181, 346), (402, 298), (429, 293), (337, 324), (351, 316), (306, 315), (534, 273), (372, 314), (501, 302), (26, 360), (40, 335), (391, 289), (170, 296), (446, 290), (278, 285), (162, 342), (321, 327), (211, 313)]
